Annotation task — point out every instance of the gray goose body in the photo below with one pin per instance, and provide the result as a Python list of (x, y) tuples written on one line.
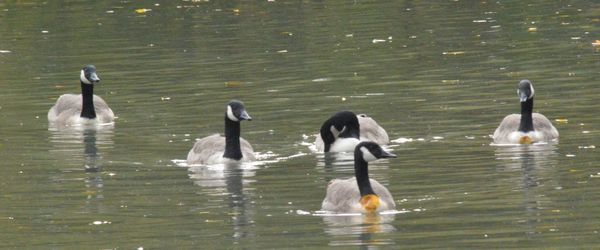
[(343, 196), (210, 150), (527, 127), (84, 108), (67, 110), (216, 149), (359, 194)]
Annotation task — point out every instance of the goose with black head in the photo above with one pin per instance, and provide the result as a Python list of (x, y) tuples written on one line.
[(84, 108), (527, 127), (360, 194), (216, 149)]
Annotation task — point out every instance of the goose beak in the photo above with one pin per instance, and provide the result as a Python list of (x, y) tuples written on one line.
[(245, 116), (385, 154), (523, 97), (94, 78)]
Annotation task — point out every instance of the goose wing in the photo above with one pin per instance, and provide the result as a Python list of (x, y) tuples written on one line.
[(544, 126), (206, 148), (341, 196), (509, 124), (247, 150), (67, 105), (384, 195), (371, 131), (103, 113)]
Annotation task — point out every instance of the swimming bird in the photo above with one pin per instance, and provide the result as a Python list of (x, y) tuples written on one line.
[(231, 148), (86, 108), (369, 130), (360, 194), (339, 133), (527, 127)]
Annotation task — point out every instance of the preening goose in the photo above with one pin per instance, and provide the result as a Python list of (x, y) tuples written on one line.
[(339, 133), (369, 131)]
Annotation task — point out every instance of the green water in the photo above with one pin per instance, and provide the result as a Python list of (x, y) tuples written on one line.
[(443, 73)]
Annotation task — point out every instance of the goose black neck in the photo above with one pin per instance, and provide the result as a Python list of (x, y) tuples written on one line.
[(87, 93), (327, 135), (526, 116), (361, 171), (232, 140)]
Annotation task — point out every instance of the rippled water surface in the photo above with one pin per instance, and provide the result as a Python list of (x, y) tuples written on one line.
[(438, 75)]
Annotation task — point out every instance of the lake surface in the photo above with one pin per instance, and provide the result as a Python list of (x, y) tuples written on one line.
[(438, 75)]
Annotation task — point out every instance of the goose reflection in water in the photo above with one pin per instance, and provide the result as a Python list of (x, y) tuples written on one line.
[(67, 146), (227, 181), (360, 229), (534, 162)]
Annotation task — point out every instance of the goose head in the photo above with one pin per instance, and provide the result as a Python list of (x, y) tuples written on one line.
[(525, 90), (370, 151), (88, 75), (237, 112)]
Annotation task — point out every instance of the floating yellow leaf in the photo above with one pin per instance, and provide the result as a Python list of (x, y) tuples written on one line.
[(236, 11), (142, 11), (532, 29), (596, 43), (232, 84), (90, 192)]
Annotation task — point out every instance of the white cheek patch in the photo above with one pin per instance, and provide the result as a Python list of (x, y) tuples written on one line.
[(335, 132), (230, 114), (343, 129), (532, 91), (83, 79), (367, 154)]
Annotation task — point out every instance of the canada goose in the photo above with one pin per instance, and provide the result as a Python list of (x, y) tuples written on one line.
[(369, 131), (360, 194), (339, 133), (527, 127), (218, 149), (86, 108)]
